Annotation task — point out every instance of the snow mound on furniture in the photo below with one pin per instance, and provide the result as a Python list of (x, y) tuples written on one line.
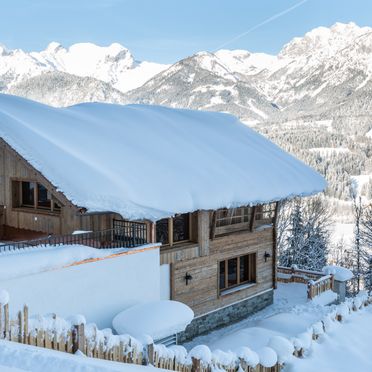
[(156, 319), (340, 273), (152, 162)]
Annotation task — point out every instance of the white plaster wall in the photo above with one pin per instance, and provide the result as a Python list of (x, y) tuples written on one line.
[(98, 290)]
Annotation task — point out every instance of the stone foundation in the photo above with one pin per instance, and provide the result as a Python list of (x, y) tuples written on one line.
[(225, 316)]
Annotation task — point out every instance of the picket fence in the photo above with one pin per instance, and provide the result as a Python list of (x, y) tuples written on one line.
[(52, 333), (74, 336)]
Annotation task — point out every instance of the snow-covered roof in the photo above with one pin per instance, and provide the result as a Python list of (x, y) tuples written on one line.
[(150, 161)]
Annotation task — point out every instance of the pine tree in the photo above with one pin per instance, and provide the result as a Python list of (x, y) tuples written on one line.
[(303, 238)]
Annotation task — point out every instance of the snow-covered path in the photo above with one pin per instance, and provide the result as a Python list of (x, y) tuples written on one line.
[(347, 347), (289, 316)]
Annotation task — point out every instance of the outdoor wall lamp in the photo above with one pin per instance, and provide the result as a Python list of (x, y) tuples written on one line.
[(266, 256), (188, 278)]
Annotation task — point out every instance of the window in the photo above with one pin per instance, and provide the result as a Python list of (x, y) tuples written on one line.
[(265, 212), (233, 219), (181, 227), (173, 230), (162, 231), (237, 271), (43, 197), (29, 194)]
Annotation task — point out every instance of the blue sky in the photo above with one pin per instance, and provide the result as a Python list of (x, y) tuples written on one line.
[(167, 30)]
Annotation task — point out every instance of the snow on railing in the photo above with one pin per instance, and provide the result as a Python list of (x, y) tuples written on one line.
[(316, 281), (319, 286), (128, 235)]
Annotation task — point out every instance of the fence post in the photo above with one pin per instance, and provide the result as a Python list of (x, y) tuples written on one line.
[(20, 327), (195, 365), (6, 322), (150, 354), (78, 338), (25, 324)]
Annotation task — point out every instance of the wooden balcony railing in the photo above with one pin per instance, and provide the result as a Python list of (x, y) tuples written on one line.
[(316, 281), (128, 235)]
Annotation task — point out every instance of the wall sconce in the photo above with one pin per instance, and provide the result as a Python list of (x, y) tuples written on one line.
[(188, 278), (266, 256)]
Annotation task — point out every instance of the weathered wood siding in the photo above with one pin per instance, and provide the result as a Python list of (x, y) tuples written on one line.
[(14, 167), (202, 293)]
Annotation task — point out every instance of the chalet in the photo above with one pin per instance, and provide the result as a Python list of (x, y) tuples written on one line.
[(201, 183)]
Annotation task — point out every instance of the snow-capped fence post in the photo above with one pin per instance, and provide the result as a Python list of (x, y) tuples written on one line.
[(25, 323), (150, 354), (78, 338), (6, 322), (195, 365)]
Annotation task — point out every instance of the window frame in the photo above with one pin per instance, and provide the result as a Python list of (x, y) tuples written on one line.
[(252, 277), (222, 226), (171, 241), (261, 210), (16, 185)]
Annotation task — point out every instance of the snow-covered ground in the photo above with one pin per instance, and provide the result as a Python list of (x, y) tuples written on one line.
[(290, 315), (346, 347), (16, 357)]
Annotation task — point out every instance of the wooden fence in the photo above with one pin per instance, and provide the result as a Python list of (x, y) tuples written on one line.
[(71, 336), (316, 281), (74, 335)]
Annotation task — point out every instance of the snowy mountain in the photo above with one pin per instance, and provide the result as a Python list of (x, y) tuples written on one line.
[(60, 89), (325, 73), (203, 82), (114, 65)]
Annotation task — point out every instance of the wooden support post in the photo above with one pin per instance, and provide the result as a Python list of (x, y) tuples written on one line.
[(213, 225)]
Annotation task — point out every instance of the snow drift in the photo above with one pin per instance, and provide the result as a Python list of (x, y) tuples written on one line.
[(150, 161), (157, 319)]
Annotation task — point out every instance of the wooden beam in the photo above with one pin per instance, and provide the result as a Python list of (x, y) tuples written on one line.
[(213, 225), (253, 218), (275, 244)]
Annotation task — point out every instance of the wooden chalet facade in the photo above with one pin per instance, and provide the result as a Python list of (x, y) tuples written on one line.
[(219, 261)]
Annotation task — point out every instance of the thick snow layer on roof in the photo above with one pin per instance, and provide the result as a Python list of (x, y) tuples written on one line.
[(156, 319), (150, 161)]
